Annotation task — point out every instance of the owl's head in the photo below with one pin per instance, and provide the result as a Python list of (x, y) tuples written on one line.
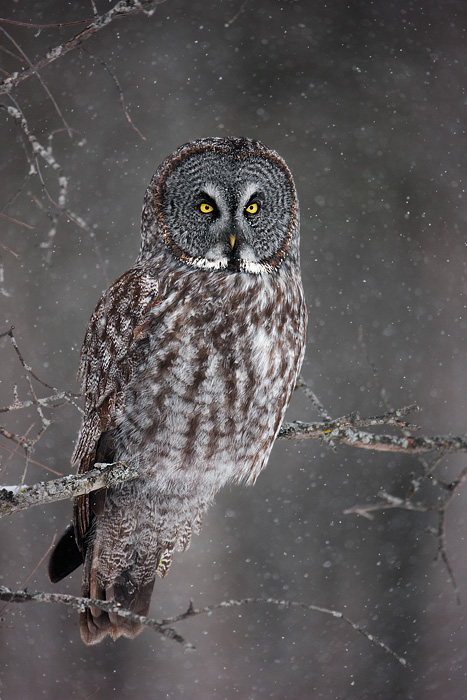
[(222, 204)]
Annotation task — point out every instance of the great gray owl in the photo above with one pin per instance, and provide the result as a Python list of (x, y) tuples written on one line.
[(188, 365)]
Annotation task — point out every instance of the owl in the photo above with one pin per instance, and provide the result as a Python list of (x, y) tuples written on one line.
[(188, 365)]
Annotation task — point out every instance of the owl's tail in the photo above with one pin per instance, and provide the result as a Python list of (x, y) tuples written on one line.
[(65, 557), (122, 576), (132, 588), (95, 624), (125, 591)]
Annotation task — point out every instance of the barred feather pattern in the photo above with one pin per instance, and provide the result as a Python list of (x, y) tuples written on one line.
[(188, 364)]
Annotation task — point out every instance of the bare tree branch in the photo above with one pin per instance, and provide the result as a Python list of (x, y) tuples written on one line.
[(345, 430), (14, 221), (30, 25), (16, 498), (120, 91), (310, 394), (162, 626), (123, 8), (38, 150), (389, 502), (57, 399), (40, 79), (236, 16)]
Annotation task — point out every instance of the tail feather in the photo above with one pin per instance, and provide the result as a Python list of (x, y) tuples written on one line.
[(95, 624), (66, 557), (125, 591), (123, 555)]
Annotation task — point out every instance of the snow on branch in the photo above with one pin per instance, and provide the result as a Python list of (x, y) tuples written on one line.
[(16, 498)]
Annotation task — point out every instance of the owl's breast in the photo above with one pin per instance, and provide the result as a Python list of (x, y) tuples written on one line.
[(208, 398)]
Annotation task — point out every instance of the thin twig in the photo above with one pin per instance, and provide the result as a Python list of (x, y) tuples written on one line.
[(28, 369), (39, 77), (46, 153), (31, 573), (236, 16), (9, 250), (79, 603), (120, 91), (14, 450), (309, 393), (13, 55), (390, 502), (30, 25), (443, 554), (38, 150), (62, 397), (163, 626), (15, 221), (65, 394), (123, 8), (428, 469)]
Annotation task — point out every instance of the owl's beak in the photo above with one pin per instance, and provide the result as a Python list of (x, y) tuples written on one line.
[(232, 239)]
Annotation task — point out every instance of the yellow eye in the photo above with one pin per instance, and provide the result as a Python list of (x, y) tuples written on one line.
[(206, 208), (252, 208)]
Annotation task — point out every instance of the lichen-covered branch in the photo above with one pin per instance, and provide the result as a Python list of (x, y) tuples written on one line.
[(343, 430), (16, 498), (164, 626)]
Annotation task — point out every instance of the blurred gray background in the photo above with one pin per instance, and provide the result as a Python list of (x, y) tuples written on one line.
[(366, 101)]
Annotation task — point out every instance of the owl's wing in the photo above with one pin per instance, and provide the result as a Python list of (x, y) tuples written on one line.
[(114, 336), (106, 362), (113, 342)]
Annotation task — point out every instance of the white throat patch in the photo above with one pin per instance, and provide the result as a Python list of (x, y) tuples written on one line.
[(254, 268)]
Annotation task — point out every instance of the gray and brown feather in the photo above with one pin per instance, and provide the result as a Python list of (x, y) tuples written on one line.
[(188, 365)]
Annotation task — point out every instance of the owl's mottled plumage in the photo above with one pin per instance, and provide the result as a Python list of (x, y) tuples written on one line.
[(188, 365)]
